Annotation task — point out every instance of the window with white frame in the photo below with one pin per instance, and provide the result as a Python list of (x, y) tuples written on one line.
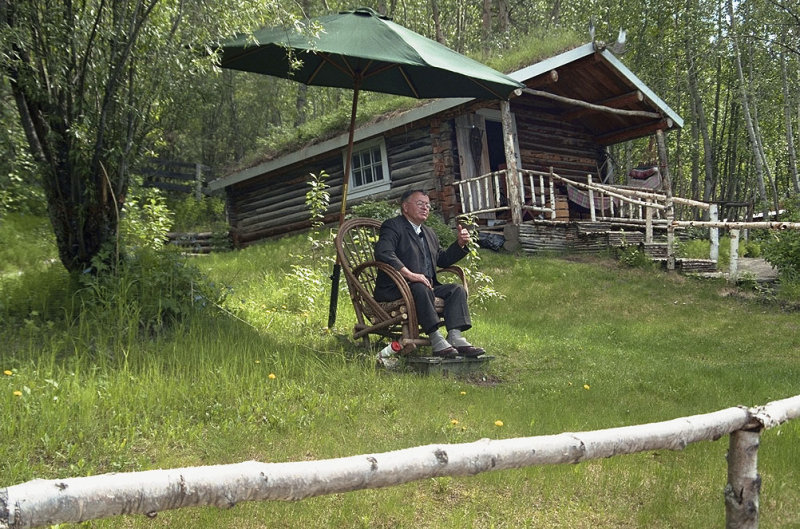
[(369, 172)]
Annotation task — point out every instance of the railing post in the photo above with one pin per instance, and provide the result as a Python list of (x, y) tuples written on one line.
[(591, 198), (552, 197), (648, 226), (512, 177), (734, 264), (744, 483), (670, 208), (713, 215)]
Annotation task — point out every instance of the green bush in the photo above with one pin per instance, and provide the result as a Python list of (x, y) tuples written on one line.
[(190, 214), (376, 209), (150, 289), (781, 249), (26, 242)]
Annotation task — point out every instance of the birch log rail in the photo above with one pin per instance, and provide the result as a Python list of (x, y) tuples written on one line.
[(47, 502)]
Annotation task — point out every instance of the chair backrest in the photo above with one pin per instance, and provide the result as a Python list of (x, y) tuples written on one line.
[(355, 245)]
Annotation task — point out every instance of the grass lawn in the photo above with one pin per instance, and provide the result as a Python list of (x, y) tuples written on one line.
[(648, 345)]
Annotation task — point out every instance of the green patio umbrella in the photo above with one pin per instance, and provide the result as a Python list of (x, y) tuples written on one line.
[(363, 50)]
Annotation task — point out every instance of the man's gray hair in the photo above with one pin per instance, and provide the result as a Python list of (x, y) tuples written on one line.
[(410, 192)]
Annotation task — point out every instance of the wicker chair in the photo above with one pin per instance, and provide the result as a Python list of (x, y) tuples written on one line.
[(395, 320)]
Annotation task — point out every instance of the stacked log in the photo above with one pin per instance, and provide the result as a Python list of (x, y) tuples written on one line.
[(200, 243)]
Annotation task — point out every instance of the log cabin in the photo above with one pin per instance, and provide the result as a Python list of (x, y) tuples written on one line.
[(534, 160)]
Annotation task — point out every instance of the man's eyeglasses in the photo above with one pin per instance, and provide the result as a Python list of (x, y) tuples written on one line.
[(421, 204)]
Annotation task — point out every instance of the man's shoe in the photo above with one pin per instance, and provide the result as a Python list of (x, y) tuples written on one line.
[(449, 352), (470, 351)]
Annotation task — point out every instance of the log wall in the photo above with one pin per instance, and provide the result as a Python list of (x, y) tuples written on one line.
[(545, 141), (274, 204)]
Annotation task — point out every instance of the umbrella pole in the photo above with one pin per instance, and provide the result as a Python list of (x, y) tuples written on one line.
[(337, 268)]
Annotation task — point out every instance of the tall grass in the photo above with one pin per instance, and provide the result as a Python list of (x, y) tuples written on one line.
[(579, 345)]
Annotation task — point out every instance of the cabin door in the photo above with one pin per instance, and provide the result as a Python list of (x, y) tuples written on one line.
[(481, 151), (473, 161)]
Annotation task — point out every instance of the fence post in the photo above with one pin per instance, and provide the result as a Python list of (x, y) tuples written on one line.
[(713, 215), (648, 226), (591, 198), (734, 264), (744, 483), (552, 197)]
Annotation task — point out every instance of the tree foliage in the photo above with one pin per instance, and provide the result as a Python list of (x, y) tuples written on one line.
[(90, 80), (99, 83)]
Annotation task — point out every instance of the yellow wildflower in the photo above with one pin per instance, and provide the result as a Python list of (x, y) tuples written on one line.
[(463, 393), (17, 393), (8, 372), (271, 376), (586, 386), (498, 423), (454, 421)]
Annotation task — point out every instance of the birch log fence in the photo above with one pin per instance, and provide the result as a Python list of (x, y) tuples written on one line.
[(46, 502)]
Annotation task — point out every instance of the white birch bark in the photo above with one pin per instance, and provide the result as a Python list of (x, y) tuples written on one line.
[(744, 483), (47, 502)]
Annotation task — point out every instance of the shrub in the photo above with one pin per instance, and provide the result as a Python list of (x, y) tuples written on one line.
[(149, 290), (380, 210), (191, 214), (782, 248)]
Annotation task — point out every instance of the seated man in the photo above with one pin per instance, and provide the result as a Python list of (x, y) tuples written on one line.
[(413, 249)]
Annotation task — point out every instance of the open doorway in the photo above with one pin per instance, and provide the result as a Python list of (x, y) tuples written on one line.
[(494, 140)]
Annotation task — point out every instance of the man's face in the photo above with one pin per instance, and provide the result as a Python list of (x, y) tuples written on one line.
[(416, 208)]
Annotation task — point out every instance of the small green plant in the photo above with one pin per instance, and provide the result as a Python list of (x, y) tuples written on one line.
[(146, 219), (481, 285), (634, 257), (308, 272)]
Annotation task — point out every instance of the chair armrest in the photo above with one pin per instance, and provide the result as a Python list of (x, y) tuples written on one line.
[(458, 272), (399, 281)]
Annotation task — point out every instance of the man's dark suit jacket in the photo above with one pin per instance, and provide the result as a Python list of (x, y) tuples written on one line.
[(399, 246)]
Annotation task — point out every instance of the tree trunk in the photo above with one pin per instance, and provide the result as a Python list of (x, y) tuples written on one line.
[(437, 23), (751, 134), (702, 123), (787, 116), (486, 27)]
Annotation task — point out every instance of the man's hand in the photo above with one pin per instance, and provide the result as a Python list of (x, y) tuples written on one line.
[(411, 277), (463, 236)]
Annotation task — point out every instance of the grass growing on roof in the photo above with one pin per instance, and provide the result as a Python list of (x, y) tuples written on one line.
[(580, 345)]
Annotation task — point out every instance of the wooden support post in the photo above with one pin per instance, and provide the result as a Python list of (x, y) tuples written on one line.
[(667, 188), (648, 227), (734, 264), (591, 199), (552, 196), (744, 483), (512, 177), (713, 216)]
